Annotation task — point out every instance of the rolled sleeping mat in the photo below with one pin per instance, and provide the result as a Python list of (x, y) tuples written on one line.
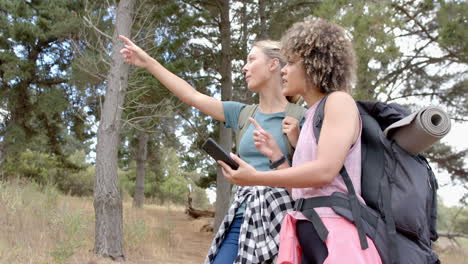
[(418, 131)]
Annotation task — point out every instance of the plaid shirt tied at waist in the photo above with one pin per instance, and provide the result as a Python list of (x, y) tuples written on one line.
[(259, 233)]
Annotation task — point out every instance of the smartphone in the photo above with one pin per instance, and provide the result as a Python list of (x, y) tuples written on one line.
[(218, 153)]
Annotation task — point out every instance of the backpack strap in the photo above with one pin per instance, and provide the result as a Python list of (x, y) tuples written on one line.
[(292, 110), (295, 111), (318, 118), (354, 202), (243, 122)]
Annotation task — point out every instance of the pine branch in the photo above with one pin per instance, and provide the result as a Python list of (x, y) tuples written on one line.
[(393, 76), (412, 95), (192, 126), (89, 23), (408, 65), (53, 81), (410, 17), (459, 119), (423, 28)]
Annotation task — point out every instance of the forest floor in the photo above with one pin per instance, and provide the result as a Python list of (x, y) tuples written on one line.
[(158, 234), (42, 226), (39, 225)]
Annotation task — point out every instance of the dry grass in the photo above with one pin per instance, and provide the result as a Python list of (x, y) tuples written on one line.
[(39, 225)]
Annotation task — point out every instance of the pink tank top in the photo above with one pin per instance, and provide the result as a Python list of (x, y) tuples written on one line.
[(307, 151)]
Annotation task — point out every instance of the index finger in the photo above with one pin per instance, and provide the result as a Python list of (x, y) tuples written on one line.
[(257, 126), (126, 40)]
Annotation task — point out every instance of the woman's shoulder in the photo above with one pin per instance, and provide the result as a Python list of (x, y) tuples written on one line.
[(341, 101), (233, 105), (341, 96), (232, 112)]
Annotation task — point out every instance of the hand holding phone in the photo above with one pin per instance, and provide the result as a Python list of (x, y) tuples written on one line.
[(218, 153)]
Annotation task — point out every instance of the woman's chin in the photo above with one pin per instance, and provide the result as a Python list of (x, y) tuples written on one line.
[(287, 93)]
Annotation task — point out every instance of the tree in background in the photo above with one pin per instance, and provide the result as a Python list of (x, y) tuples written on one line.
[(107, 200), (35, 61), (150, 107), (141, 157), (212, 48)]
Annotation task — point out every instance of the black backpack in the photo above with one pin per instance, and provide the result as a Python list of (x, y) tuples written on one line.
[(399, 189)]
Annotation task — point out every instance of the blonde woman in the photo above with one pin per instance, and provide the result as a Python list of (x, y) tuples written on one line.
[(250, 230)]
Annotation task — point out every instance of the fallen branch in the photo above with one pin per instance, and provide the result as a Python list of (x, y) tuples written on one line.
[(195, 213), (452, 235)]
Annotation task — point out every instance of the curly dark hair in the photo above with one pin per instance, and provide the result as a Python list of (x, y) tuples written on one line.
[(327, 55)]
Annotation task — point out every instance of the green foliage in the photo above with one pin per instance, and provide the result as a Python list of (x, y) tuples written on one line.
[(35, 39), (175, 186), (149, 103), (166, 181), (36, 166), (452, 219), (127, 180), (79, 183), (45, 170), (73, 224), (452, 27), (200, 199)]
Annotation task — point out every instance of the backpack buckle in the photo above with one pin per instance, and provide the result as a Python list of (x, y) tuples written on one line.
[(298, 204)]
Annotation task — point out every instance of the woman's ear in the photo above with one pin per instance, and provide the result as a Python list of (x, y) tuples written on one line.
[(274, 64)]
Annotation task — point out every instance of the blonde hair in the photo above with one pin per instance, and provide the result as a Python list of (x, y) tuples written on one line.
[(272, 49), (327, 54)]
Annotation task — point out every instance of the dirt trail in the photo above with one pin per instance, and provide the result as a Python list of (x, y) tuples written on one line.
[(187, 243)]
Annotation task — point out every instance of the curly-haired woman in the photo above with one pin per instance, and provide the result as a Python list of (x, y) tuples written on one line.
[(321, 62)]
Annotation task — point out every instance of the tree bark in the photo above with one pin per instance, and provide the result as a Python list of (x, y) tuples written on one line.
[(196, 213), (141, 157), (2, 158), (107, 197), (223, 187), (263, 20)]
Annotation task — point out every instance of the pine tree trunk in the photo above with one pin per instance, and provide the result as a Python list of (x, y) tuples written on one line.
[(107, 198), (141, 157), (263, 27), (223, 187), (2, 158)]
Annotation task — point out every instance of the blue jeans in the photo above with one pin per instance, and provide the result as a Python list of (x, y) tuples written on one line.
[(228, 249)]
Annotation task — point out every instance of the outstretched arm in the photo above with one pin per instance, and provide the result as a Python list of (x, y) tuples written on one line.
[(184, 91)]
